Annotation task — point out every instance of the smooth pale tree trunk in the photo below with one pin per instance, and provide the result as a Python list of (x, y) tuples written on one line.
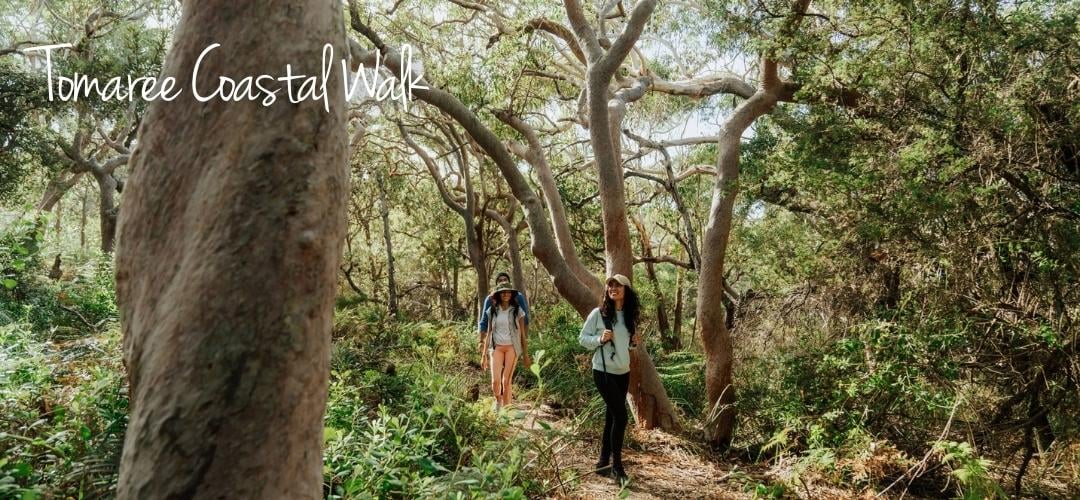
[(715, 337), (711, 318), (229, 245), (648, 399), (604, 122)]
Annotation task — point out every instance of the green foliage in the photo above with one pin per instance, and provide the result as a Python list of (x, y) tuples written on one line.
[(412, 433), (971, 470), (20, 245), (567, 366), (82, 302), (897, 261), (65, 409), (26, 147), (399, 433), (683, 374)]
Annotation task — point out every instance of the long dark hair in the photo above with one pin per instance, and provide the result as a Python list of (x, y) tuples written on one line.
[(630, 308)]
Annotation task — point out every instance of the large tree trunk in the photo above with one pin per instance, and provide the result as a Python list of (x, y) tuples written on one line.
[(649, 401), (229, 246), (648, 398), (711, 318), (715, 337), (605, 121)]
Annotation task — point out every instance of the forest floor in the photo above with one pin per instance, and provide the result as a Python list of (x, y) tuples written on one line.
[(661, 466)]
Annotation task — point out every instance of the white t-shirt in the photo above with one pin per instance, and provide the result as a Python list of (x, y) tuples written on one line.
[(501, 327)]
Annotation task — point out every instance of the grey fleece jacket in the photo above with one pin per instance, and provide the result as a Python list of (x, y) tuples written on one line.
[(603, 359)]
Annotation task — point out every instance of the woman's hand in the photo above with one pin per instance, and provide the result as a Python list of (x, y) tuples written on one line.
[(635, 339), (527, 360), (483, 362), (606, 336)]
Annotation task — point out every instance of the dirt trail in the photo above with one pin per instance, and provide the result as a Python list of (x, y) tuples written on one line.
[(661, 465)]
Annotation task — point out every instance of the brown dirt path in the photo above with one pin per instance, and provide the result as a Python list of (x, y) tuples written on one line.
[(661, 465)]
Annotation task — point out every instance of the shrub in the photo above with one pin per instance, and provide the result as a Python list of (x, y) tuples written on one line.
[(66, 412)]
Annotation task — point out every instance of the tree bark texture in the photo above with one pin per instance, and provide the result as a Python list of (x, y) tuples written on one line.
[(230, 240)]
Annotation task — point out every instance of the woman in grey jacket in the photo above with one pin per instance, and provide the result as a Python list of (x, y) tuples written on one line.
[(610, 332)]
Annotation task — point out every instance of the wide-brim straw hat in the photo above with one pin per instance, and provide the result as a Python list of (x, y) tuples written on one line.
[(503, 288)]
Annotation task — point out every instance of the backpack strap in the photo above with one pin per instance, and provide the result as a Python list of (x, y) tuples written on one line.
[(491, 325), (608, 325)]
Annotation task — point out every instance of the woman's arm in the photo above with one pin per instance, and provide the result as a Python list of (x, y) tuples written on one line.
[(483, 348), (588, 337)]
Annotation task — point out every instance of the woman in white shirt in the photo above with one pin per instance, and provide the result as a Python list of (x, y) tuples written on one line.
[(503, 342), (610, 331)]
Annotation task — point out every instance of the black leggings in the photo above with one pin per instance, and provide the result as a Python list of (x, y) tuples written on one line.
[(613, 390)]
